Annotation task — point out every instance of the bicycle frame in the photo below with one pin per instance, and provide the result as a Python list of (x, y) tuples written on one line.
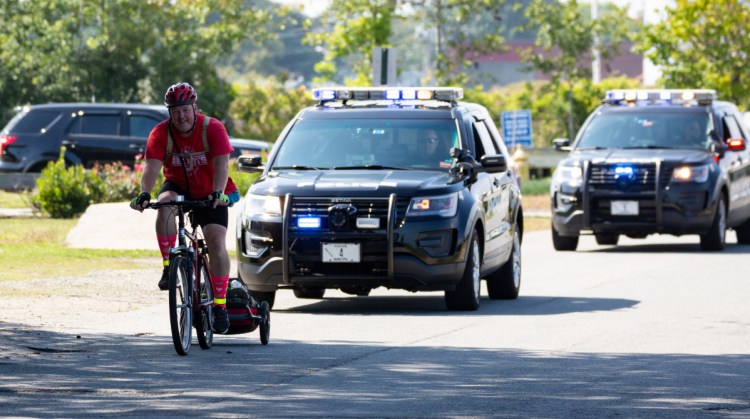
[(193, 250), (197, 253)]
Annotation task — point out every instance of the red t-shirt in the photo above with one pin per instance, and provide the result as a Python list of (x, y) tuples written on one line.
[(199, 169)]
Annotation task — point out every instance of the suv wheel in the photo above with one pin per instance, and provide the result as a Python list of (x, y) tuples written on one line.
[(466, 294), (564, 243), (715, 238), (607, 239), (505, 283), (309, 292)]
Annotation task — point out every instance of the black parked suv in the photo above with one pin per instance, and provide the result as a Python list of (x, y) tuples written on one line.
[(351, 198), (91, 133), (645, 162)]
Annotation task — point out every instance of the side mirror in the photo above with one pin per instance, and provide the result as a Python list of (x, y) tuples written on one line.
[(494, 163), (250, 164), (561, 144)]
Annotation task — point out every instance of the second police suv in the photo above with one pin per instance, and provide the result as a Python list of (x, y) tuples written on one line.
[(404, 188), (661, 161)]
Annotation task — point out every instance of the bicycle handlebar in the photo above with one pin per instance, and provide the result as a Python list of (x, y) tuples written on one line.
[(186, 204)]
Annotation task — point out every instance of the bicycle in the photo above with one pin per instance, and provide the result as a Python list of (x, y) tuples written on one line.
[(191, 294)]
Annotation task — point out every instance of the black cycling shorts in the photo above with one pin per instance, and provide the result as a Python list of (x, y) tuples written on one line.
[(203, 216)]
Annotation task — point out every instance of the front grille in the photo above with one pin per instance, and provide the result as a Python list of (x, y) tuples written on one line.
[(319, 207), (608, 182), (605, 177), (338, 224)]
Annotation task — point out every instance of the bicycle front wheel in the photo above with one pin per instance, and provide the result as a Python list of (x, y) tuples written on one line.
[(204, 308), (180, 310)]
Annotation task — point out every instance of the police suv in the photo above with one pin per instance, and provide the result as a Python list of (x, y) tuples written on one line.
[(404, 188), (662, 161)]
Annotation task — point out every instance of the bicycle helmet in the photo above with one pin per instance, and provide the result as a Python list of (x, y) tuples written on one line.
[(180, 94)]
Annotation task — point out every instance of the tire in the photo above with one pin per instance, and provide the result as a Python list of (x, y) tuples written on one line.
[(267, 296), (309, 292), (505, 283), (466, 294), (204, 316), (743, 233), (715, 239), (607, 239), (180, 312), (265, 322), (564, 243)]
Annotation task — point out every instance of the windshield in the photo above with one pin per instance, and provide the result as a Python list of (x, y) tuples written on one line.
[(648, 128), (368, 143)]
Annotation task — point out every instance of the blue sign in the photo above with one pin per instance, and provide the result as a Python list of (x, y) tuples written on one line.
[(516, 128)]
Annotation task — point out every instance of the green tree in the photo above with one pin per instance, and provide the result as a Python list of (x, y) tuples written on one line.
[(262, 110), (118, 50), (350, 30), (703, 44), (461, 33), (565, 37)]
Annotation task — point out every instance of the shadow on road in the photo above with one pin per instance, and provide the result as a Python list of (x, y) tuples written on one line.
[(136, 376), (420, 304), (730, 249)]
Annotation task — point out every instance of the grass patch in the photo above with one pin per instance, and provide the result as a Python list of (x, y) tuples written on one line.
[(535, 186), (15, 199), (35, 248)]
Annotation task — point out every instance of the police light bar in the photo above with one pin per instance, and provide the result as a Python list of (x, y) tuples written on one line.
[(444, 94), (634, 97)]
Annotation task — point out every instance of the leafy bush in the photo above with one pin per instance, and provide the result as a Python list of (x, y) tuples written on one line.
[(535, 186), (66, 192), (122, 182)]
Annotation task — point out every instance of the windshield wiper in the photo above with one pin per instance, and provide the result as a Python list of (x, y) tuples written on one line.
[(369, 167), (298, 167)]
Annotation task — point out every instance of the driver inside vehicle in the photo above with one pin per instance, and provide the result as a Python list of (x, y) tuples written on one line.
[(432, 149), (693, 134)]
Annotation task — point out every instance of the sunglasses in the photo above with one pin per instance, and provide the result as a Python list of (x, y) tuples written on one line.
[(430, 140)]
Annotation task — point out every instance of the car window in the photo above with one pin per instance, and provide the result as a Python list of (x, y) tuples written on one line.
[(483, 141), (408, 143), (731, 128), (141, 125), (647, 128), (32, 122), (96, 125)]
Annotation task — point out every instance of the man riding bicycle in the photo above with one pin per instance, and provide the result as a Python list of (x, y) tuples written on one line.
[(193, 151)]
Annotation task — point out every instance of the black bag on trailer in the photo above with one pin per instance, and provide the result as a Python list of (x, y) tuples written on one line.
[(238, 296), (241, 306)]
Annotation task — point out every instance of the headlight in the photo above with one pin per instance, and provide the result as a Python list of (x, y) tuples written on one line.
[(444, 206), (696, 174), (262, 205), (571, 175)]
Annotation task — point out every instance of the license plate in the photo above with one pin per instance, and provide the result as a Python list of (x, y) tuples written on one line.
[(340, 252), (624, 207)]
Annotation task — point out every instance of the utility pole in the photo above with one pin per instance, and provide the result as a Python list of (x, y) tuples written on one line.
[(596, 66)]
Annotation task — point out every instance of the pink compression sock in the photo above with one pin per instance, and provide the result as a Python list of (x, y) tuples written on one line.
[(165, 243), (220, 290)]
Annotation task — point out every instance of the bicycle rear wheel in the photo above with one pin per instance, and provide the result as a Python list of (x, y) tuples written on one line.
[(180, 310), (204, 312)]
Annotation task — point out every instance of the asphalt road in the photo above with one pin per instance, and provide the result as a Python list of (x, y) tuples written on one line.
[(651, 328)]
